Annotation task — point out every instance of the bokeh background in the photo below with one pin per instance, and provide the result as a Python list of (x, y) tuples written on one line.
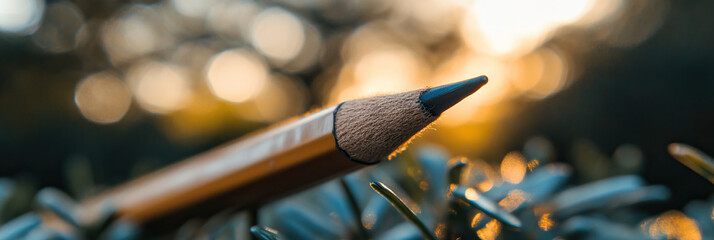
[(125, 87)]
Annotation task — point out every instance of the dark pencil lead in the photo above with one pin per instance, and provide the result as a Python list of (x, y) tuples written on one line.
[(437, 100)]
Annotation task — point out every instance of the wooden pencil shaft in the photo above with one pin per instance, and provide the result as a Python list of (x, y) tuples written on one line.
[(291, 180), (229, 169)]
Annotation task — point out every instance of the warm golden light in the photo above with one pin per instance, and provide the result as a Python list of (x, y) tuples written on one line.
[(514, 200), (369, 220), (432, 19), (159, 87), (554, 75), (532, 164), (484, 186), (281, 97), (310, 52), (278, 34), (271, 230), (637, 23), (490, 231), (135, 33), (440, 231), (516, 27), (424, 185), (479, 174), (202, 117), (546, 222), (102, 98), (503, 40), (513, 167), (386, 71), (672, 225), (373, 36), (541, 73), (232, 19), (476, 219), (600, 11), (466, 64), (376, 63), (529, 71), (471, 194), (236, 75)]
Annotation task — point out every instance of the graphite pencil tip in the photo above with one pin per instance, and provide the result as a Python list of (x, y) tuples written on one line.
[(437, 100)]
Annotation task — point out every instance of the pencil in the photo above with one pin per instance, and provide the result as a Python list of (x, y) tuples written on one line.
[(280, 160)]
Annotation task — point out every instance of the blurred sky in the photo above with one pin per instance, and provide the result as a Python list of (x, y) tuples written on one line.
[(130, 86)]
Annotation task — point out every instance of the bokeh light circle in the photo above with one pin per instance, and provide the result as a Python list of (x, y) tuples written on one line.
[(160, 87), (59, 28), (236, 75), (278, 34), (102, 98), (20, 16)]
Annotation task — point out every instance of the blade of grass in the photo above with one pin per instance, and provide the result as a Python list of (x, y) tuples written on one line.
[(694, 159), (356, 212), (402, 208)]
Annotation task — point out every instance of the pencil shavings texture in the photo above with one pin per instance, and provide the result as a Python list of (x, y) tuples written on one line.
[(371, 129)]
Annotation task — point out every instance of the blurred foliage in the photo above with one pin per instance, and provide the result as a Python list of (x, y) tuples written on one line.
[(422, 194)]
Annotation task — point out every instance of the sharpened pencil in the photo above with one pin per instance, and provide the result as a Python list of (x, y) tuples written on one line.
[(281, 160)]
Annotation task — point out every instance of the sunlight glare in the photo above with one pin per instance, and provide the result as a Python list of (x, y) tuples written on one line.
[(516, 27), (464, 65), (236, 75), (160, 87)]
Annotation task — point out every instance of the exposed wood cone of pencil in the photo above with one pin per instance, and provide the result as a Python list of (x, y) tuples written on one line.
[(280, 160)]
